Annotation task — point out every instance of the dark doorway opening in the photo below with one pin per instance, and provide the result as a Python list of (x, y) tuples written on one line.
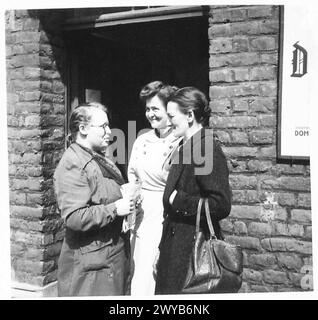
[(114, 62)]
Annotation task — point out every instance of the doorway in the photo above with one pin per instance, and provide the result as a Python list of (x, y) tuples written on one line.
[(111, 64)]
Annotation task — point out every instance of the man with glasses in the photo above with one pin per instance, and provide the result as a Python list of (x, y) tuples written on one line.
[(95, 257)]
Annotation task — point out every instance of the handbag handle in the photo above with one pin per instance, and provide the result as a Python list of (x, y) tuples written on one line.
[(208, 218), (207, 214), (197, 225)]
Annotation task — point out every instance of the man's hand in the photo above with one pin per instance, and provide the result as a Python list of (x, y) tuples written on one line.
[(124, 206)]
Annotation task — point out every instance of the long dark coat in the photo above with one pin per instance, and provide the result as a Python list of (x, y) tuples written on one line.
[(180, 217), (94, 259)]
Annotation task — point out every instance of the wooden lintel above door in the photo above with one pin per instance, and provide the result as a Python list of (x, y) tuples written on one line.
[(135, 16)]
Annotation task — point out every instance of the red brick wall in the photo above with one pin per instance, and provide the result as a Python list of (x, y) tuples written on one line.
[(271, 216), (36, 116)]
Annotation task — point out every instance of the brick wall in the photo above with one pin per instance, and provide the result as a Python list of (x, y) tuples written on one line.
[(271, 212), (36, 116)]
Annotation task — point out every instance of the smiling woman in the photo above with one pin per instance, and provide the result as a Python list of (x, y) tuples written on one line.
[(146, 164), (186, 184), (188, 111), (156, 113)]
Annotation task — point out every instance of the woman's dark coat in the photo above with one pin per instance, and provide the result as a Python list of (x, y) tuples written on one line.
[(94, 259), (179, 224)]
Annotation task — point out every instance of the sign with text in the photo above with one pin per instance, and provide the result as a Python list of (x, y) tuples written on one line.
[(294, 84)]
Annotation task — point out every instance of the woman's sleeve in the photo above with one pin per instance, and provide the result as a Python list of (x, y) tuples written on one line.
[(214, 186), (132, 166), (74, 200)]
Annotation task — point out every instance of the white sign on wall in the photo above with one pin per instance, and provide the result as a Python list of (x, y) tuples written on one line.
[(294, 83)]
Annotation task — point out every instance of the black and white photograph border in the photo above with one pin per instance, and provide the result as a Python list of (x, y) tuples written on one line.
[(273, 203)]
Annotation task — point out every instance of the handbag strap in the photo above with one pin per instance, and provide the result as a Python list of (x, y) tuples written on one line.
[(208, 218), (207, 214), (197, 225)]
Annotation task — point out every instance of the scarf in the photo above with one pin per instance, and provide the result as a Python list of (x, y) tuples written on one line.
[(108, 168)]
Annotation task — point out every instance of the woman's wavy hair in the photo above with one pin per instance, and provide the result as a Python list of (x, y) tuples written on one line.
[(157, 88), (82, 115), (191, 98)]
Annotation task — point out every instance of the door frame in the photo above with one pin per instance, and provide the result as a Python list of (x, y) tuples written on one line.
[(113, 19), (135, 16)]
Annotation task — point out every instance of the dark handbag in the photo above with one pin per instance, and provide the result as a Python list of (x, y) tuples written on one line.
[(215, 266)]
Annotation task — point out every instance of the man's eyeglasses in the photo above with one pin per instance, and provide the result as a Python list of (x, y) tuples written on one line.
[(104, 126)]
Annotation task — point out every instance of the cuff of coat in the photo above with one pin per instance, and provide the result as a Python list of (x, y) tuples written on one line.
[(112, 210), (178, 204)]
